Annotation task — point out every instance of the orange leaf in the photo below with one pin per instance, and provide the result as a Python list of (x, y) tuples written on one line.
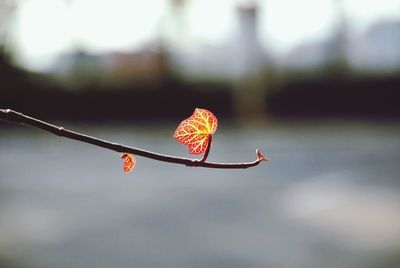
[(195, 130), (129, 162)]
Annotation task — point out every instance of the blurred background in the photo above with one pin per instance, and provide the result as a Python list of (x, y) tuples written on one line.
[(315, 84)]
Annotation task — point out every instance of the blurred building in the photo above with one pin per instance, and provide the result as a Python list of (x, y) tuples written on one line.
[(149, 64), (238, 57), (377, 49), (249, 55)]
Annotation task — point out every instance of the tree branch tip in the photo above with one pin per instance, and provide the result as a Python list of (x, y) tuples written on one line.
[(261, 157)]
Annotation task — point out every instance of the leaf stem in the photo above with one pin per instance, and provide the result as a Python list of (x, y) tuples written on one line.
[(16, 117), (203, 159)]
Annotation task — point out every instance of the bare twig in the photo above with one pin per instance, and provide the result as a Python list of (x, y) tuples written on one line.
[(13, 116)]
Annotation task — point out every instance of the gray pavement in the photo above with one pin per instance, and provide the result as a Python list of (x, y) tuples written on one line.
[(330, 197)]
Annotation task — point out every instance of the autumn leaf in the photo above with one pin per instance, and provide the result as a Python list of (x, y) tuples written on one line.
[(129, 162), (195, 131)]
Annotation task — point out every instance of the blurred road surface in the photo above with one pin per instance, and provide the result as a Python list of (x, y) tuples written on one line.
[(330, 197)]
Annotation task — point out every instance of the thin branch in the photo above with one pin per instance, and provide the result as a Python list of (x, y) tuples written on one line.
[(16, 117)]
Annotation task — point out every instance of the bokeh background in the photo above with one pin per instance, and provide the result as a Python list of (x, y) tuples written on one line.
[(314, 84)]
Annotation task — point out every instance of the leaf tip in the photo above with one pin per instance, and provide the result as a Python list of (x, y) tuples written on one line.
[(261, 157)]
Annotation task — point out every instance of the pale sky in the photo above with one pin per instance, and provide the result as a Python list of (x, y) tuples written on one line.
[(46, 28)]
